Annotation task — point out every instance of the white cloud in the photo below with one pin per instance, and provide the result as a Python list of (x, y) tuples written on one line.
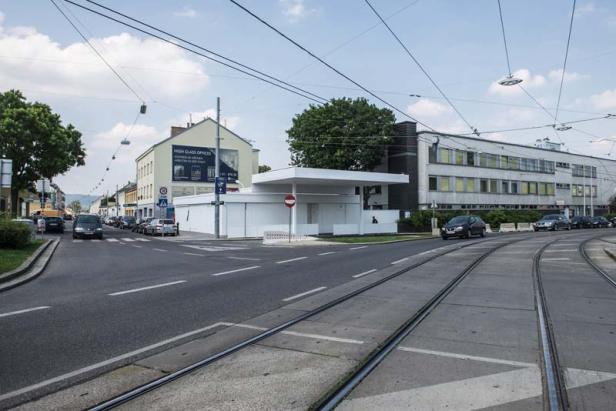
[(555, 75), (605, 100), (528, 81), (37, 62), (295, 10), (186, 12), (427, 108), (587, 8), (141, 137)]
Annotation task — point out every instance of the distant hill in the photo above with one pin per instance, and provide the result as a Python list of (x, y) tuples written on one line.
[(84, 199)]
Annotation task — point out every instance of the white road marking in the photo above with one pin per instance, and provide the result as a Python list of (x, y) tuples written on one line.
[(128, 239), (199, 255), (560, 251), (213, 248), (141, 239), (364, 273), (578, 378), (244, 258), (105, 363), (556, 259), (293, 297), (122, 243), (112, 240), (358, 248), (297, 334), (327, 253), (237, 271), (134, 290), (468, 357), (27, 310), (400, 260), (160, 249), (138, 246), (291, 260), (426, 252), (569, 263), (95, 240), (78, 241)]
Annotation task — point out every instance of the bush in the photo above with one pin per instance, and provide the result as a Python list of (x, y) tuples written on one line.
[(13, 234)]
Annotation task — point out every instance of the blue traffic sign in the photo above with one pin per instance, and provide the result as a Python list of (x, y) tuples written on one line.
[(221, 185), (162, 202)]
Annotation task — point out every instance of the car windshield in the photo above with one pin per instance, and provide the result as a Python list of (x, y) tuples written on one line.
[(550, 217), (458, 220), (53, 219), (166, 221), (88, 219)]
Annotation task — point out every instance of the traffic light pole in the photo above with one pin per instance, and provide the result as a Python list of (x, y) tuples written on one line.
[(217, 173)]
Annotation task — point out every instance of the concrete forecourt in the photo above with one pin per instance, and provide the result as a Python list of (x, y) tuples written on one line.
[(87, 331)]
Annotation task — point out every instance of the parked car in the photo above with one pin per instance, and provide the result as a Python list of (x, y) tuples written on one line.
[(552, 222), (613, 221), (600, 222), (88, 226), (68, 217), (143, 224), (54, 224), (159, 226), (126, 222), (581, 221), (464, 226)]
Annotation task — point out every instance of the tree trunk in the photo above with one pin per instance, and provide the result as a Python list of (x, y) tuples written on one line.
[(14, 202)]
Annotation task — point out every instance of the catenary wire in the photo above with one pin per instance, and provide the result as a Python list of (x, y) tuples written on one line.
[(310, 53), (562, 77), (423, 70), (500, 12)]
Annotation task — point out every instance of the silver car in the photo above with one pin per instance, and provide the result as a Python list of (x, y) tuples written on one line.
[(160, 226)]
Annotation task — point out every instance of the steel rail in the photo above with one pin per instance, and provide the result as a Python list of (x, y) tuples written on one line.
[(582, 249), (553, 382), (159, 382), (335, 397)]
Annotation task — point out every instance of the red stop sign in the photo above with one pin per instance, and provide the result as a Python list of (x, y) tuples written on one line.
[(289, 200)]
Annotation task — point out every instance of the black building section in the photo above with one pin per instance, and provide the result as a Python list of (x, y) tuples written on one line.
[(402, 158)]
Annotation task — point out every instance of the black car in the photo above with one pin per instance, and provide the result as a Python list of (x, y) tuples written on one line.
[(581, 221), (140, 228), (88, 226), (54, 224), (600, 222), (552, 222), (126, 222), (464, 226)]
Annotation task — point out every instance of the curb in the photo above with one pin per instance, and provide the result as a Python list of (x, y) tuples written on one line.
[(325, 242), (610, 254), (31, 268)]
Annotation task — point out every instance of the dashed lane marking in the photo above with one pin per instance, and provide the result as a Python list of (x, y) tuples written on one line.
[(237, 271), (297, 334), (134, 290), (358, 248), (364, 273), (560, 251), (27, 310), (198, 255), (467, 357), (112, 240), (305, 293), (556, 259), (400, 260), (138, 246), (160, 249), (78, 241), (145, 240), (128, 239), (291, 260), (244, 258), (327, 253)]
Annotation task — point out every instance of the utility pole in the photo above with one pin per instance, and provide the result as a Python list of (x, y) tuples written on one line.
[(117, 203), (217, 173)]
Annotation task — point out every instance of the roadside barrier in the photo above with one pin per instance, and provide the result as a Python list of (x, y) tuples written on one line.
[(507, 228), (273, 237), (525, 227), (488, 229)]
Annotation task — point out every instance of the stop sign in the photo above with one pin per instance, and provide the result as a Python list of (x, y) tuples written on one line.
[(289, 200)]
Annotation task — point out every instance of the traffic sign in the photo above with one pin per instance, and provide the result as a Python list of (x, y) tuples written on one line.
[(162, 202), (163, 191), (220, 184), (289, 200)]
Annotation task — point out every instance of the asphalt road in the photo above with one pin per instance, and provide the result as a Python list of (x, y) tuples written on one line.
[(101, 299)]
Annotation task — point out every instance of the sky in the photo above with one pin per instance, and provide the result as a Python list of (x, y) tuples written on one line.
[(458, 42)]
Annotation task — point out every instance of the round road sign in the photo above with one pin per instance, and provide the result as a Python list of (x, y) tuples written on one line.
[(289, 200), (163, 191)]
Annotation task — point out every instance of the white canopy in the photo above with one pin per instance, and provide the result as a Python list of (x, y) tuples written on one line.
[(320, 176)]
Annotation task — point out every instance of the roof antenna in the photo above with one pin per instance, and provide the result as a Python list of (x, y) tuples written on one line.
[(190, 118)]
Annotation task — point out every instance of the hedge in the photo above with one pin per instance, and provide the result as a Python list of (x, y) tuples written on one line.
[(14, 234), (420, 220)]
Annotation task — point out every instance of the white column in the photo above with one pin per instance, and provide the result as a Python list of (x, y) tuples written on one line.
[(361, 210), (294, 209)]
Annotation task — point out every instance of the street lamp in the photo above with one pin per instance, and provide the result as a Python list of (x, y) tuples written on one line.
[(125, 142), (562, 127), (510, 81)]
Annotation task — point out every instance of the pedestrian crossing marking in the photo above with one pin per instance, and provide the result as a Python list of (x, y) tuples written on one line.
[(113, 240), (127, 239), (141, 239), (78, 241)]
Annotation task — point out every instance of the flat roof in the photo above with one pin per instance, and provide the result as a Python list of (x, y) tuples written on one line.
[(322, 176)]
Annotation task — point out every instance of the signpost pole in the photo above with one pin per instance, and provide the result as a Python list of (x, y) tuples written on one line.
[(217, 173), (290, 223)]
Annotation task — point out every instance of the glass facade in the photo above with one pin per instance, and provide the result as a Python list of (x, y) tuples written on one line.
[(494, 186), (487, 160)]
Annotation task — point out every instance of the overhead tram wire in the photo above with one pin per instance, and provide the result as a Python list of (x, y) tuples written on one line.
[(320, 101), (132, 90), (202, 48), (500, 12), (424, 71), (310, 53), (562, 78)]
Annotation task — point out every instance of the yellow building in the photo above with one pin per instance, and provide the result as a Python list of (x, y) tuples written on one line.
[(183, 165)]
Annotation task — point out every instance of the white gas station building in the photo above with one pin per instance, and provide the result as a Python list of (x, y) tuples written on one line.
[(327, 202)]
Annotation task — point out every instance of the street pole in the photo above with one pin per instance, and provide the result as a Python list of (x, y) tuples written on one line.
[(117, 203), (217, 173), (584, 189)]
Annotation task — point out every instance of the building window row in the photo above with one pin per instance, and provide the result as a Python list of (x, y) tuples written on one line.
[(145, 170), (579, 170), (145, 192), (487, 160), (489, 186), (579, 190)]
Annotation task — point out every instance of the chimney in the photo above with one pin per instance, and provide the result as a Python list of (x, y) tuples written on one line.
[(175, 130)]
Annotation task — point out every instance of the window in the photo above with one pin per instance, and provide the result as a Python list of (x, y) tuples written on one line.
[(532, 188), (504, 163), (577, 170), (594, 191), (505, 187), (432, 153), (532, 164), (564, 186), (542, 189), (493, 160), (524, 187), (483, 160), (470, 185), (459, 184), (550, 189), (444, 156), (562, 165), (483, 185), (470, 158), (514, 187), (445, 184), (432, 183), (493, 186), (459, 157), (523, 164), (587, 191), (514, 163)]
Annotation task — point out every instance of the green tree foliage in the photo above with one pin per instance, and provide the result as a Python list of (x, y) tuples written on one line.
[(75, 206), (36, 140), (343, 134), (264, 168)]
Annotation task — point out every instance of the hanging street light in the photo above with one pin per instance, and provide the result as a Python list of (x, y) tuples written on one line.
[(562, 127), (510, 81), (113, 157), (125, 142)]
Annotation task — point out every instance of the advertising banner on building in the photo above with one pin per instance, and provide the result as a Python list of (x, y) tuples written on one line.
[(197, 164)]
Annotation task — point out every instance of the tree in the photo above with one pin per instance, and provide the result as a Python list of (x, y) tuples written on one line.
[(343, 134), (37, 142), (264, 168), (75, 206)]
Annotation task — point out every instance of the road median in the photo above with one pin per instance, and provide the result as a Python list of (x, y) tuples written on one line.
[(32, 267)]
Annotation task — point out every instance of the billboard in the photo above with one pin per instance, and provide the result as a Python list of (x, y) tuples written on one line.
[(197, 164)]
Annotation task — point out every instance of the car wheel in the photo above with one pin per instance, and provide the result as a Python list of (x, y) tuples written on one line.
[(444, 237), (483, 232), (469, 233)]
